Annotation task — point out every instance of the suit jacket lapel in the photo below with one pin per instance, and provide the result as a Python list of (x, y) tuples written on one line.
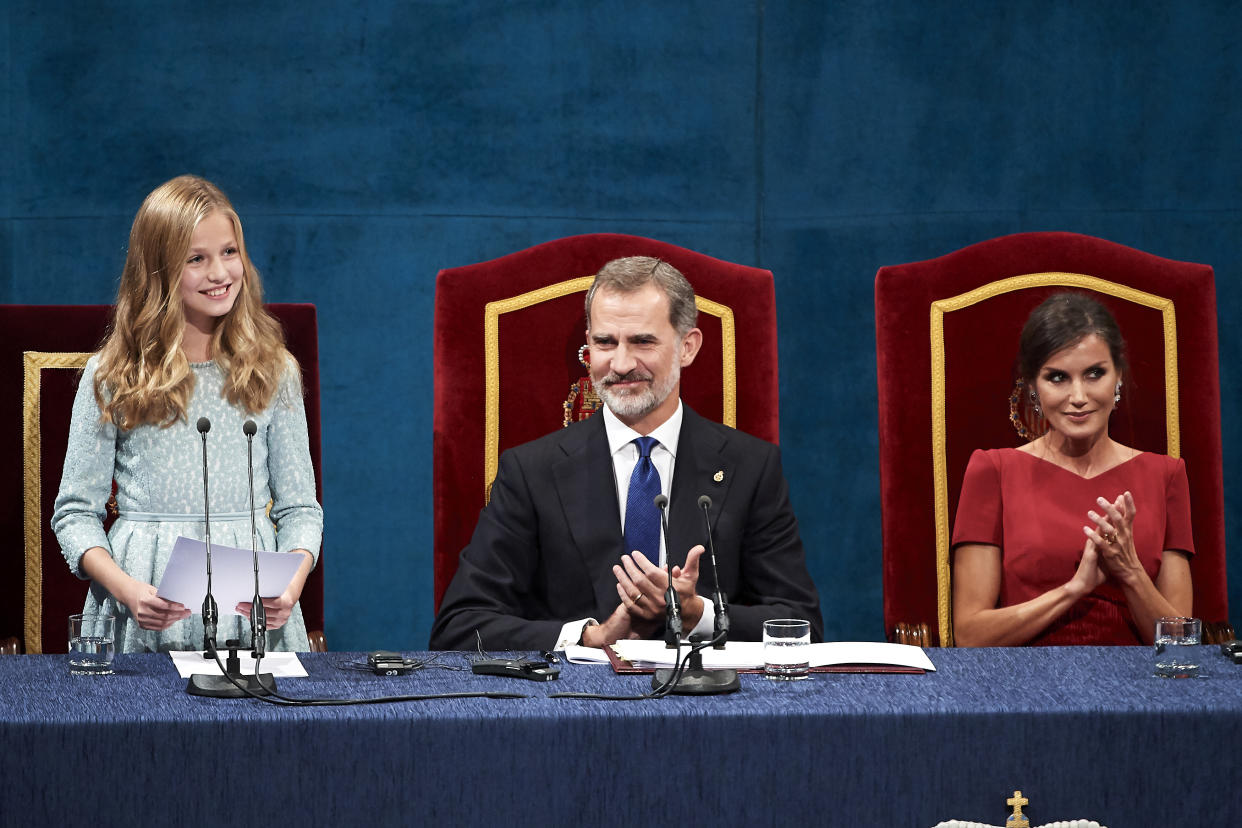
[(588, 494), (700, 460)]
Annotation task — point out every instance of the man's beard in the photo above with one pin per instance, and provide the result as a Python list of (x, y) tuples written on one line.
[(636, 404)]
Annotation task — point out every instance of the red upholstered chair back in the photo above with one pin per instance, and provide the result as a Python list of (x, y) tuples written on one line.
[(42, 351), (946, 340), (507, 334)]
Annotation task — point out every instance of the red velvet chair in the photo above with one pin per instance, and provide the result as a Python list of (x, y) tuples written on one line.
[(946, 340), (42, 350), (507, 370)]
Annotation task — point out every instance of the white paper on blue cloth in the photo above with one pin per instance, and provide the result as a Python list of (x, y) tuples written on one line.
[(748, 655), (232, 575), (280, 665)]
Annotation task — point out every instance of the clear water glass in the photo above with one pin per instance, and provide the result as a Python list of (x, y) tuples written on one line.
[(92, 644), (786, 649), (1177, 647)]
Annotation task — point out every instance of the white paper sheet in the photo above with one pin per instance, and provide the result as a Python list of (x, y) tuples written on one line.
[(577, 654), (748, 655), (280, 665), (232, 575)]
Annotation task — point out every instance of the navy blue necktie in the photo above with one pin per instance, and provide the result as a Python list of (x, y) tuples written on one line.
[(642, 517)]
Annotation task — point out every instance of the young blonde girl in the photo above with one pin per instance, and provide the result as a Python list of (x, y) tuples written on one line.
[(189, 338)]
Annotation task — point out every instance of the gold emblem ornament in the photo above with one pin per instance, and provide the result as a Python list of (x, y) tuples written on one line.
[(1017, 819), (583, 400), (718, 477)]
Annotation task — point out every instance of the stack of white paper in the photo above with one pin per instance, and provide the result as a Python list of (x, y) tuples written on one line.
[(748, 655), (280, 665)]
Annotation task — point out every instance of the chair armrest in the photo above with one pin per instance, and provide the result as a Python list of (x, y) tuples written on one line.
[(905, 632), (1217, 632)]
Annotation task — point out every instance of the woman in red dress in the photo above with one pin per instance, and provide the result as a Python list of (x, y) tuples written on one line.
[(1072, 538)]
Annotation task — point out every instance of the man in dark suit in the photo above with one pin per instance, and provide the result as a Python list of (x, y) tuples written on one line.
[(568, 549)]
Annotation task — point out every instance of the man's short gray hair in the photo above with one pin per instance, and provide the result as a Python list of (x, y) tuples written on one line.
[(635, 272)]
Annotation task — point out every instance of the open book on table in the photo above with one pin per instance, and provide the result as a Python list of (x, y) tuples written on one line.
[(830, 657)]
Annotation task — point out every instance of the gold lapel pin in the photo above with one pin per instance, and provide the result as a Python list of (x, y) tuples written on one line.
[(718, 477)]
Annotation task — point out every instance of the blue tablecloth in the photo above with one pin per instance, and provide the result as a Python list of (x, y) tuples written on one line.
[(1083, 732)]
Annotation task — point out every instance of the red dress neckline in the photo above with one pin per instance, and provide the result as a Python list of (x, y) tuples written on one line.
[(1039, 459)]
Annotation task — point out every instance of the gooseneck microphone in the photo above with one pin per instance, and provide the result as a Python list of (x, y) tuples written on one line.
[(211, 613), (720, 630), (231, 683), (687, 676), (672, 604), (690, 678), (258, 614)]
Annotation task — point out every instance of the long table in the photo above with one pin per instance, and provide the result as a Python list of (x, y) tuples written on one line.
[(1083, 732)]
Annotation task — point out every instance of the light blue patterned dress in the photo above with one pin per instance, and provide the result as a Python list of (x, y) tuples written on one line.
[(159, 477)]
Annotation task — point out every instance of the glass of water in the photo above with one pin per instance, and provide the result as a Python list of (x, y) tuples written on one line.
[(786, 649), (1177, 647), (92, 644)]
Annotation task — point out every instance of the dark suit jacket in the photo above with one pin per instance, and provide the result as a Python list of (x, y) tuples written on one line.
[(543, 550)]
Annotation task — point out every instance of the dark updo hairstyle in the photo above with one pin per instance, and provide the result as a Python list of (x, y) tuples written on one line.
[(1060, 321)]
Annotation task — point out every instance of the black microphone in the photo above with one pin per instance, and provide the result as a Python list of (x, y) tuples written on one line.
[(672, 604), (691, 678), (211, 612), (258, 614), (720, 629), (232, 684)]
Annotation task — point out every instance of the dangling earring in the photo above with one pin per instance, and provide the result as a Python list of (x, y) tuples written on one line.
[(1117, 394), (1029, 424), (1039, 412)]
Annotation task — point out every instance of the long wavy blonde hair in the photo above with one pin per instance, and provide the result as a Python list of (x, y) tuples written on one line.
[(143, 374)]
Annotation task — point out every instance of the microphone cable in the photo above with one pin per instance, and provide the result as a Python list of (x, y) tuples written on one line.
[(658, 693), (289, 701), (410, 665)]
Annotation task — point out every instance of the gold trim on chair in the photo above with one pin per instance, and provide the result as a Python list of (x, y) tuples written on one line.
[(491, 354), (939, 436), (32, 442), (728, 356)]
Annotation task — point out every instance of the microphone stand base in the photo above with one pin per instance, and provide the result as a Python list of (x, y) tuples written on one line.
[(699, 682), (219, 687)]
